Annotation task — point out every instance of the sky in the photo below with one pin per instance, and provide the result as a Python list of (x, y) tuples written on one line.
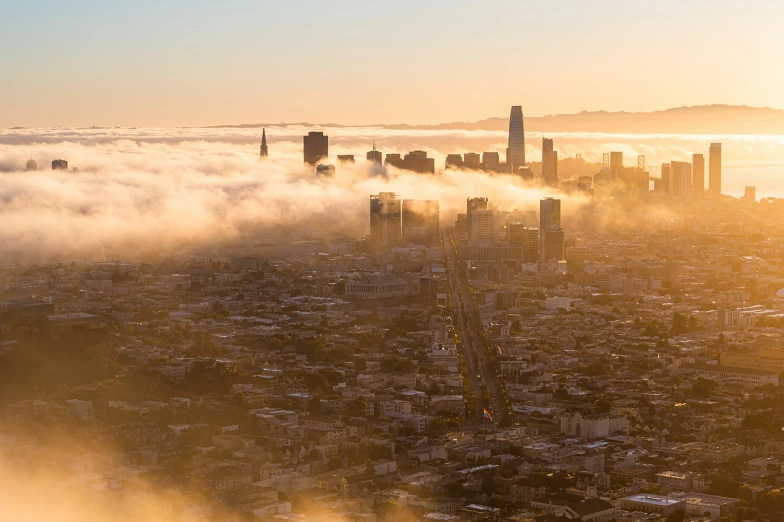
[(194, 62)]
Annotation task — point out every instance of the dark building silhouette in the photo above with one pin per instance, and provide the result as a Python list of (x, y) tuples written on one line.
[(59, 164), (386, 229), (616, 164), (491, 161), (454, 161), (472, 160), (421, 222), (263, 149), (515, 152), (473, 205), (31, 165), (316, 147), (551, 235), (415, 161), (698, 175), (714, 167), (346, 158), (549, 163), (374, 155)]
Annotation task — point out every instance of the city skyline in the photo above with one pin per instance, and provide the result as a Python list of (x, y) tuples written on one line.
[(196, 81)]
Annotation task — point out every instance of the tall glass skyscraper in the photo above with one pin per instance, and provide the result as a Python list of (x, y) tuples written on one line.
[(515, 152)]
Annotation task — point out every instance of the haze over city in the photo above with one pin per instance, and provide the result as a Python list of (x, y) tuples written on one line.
[(405, 262)]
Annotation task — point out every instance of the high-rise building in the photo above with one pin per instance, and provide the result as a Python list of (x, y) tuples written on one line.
[(714, 169), (374, 155), (346, 158), (549, 214), (420, 222), (750, 194), (484, 226), (461, 226), (386, 229), (665, 178), (680, 179), (472, 160), (616, 164), (549, 163), (263, 149), (553, 245), (316, 147), (550, 232), (59, 164), (515, 152), (698, 175), (491, 161), (473, 205), (31, 165), (454, 161), (531, 245), (415, 161)]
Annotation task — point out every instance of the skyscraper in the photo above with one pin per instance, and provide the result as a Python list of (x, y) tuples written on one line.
[(698, 175), (316, 147), (453, 161), (374, 155), (472, 160), (665, 178), (680, 179), (59, 164), (515, 152), (616, 164), (551, 235), (473, 205), (263, 149), (714, 166), (491, 161), (386, 229), (549, 163), (420, 221)]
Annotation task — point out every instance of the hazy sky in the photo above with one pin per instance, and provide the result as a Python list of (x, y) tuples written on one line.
[(195, 62)]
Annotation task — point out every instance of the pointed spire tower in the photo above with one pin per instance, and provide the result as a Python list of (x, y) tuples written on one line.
[(263, 151)]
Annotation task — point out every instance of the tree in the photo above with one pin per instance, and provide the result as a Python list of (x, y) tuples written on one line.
[(356, 408), (703, 387)]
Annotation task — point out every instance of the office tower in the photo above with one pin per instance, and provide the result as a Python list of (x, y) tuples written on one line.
[(531, 245), (515, 152), (714, 168), (553, 245), (394, 160), (491, 161), (346, 158), (549, 214), (374, 155), (680, 179), (515, 234), (698, 175), (325, 170), (59, 164), (525, 173), (420, 222), (263, 149), (472, 160), (473, 205), (616, 164), (386, 228), (549, 163), (461, 226), (417, 161), (665, 178), (750, 195), (549, 229), (454, 161), (484, 226), (31, 165), (316, 147)]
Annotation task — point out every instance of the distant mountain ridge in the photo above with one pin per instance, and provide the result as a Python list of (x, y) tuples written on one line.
[(701, 119)]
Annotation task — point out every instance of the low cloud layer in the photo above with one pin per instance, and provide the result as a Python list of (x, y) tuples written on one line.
[(139, 191)]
